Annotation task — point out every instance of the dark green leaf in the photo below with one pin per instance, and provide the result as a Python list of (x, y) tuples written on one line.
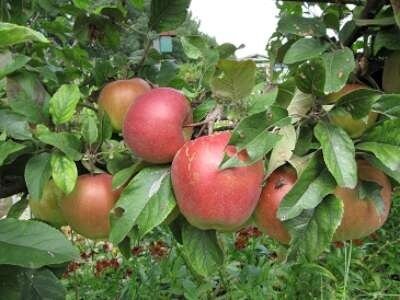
[(18, 208), (201, 250), (41, 284), (33, 244), (396, 10), (11, 62), (201, 111), (339, 153), (310, 77), (389, 39), (64, 172), (8, 147), (389, 105), (304, 49), (260, 101), (167, 15), (123, 176), (37, 174), (372, 191), (15, 125), (359, 102), (90, 129)]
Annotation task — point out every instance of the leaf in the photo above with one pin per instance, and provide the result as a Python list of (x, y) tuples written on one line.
[(313, 230), (389, 39), (90, 130), (64, 141), (133, 200), (167, 15), (300, 105), (8, 147), (384, 142), (194, 46), (379, 165), (63, 103), (37, 174), (310, 77), (33, 244), (139, 4), (311, 187), (201, 111), (10, 62), (359, 102), (158, 208), (389, 105), (372, 191), (236, 80), (41, 284), (123, 176), (339, 153), (396, 10), (201, 250), (338, 66), (14, 34), (301, 26), (283, 149), (260, 101), (18, 208), (25, 106), (304, 49), (64, 172), (227, 50), (15, 125)]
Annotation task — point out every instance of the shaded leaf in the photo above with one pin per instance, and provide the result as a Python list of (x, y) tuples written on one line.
[(167, 14), (37, 174), (304, 49), (7, 148)]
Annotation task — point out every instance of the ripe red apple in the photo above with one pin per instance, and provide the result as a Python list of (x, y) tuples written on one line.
[(154, 125), (116, 97), (360, 217), (47, 208), (211, 198), (87, 207)]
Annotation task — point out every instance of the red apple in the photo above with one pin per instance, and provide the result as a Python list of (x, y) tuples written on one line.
[(117, 96), (154, 125), (87, 207), (360, 218), (47, 208), (211, 198)]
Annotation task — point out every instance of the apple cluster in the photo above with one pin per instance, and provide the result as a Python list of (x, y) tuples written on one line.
[(156, 126)]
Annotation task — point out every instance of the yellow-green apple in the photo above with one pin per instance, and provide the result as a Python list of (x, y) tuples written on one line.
[(154, 127), (211, 198)]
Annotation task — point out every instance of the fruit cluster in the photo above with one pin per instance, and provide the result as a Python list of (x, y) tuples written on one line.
[(156, 126)]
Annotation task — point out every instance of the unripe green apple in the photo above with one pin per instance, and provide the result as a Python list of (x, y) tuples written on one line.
[(48, 207), (116, 97), (88, 206), (210, 198)]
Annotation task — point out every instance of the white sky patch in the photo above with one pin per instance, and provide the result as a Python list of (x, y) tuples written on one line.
[(238, 22)]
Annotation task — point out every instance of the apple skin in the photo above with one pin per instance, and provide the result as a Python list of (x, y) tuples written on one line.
[(210, 198), (47, 208), (87, 207), (342, 118), (116, 97), (154, 125), (360, 217)]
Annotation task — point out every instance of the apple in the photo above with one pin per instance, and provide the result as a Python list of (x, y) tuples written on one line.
[(47, 208), (391, 73), (342, 118), (210, 198), (360, 218), (116, 97), (87, 207), (154, 125)]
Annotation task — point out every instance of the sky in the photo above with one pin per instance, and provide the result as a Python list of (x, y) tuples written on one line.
[(238, 22)]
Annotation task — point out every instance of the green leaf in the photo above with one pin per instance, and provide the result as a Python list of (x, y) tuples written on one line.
[(194, 46), (37, 174), (33, 244), (14, 34), (64, 141), (139, 4), (372, 191), (10, 62), (90, 130), (300, 105), (18, 208), (64, 172), (201, 111), (310, 77), (27, 107), (158, 208), (236, 80), (261, 100), (311, 187), (389, 39), (133, 200), (8, 147), (396, 11), (389, 105), (379, 165), (41, 284), (227, 50), (384, 142), (63, 103), (167, 15), (123, 176), (338, 66), (201, 250), (298, 25), (15, 125), (339, 153), (304, 49), (283, 149), (359, 102), (313, 230)]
